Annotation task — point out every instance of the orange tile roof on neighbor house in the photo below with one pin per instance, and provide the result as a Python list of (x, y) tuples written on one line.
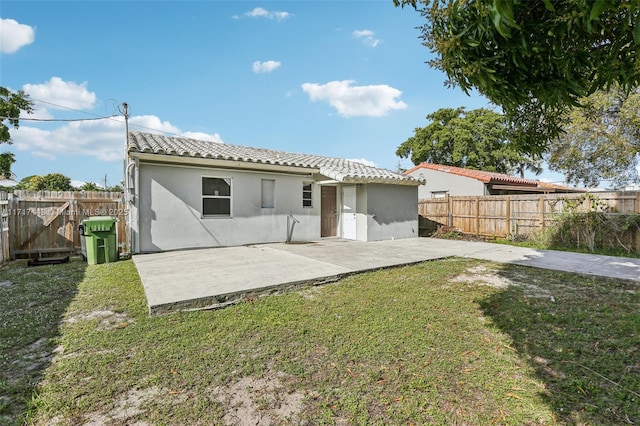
[(492, 177)]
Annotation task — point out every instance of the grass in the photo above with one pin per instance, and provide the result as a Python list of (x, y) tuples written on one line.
[(447, 342)]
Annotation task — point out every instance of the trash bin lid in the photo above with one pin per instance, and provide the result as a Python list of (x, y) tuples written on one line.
[(99, 223)]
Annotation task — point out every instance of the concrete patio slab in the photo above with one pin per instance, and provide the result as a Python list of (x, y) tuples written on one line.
[(215, 277)]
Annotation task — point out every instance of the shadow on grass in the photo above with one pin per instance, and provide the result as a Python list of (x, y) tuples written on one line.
[(582, 337), (33, 301)]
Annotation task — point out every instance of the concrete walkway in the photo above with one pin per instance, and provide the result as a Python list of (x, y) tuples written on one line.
[(215, 277)]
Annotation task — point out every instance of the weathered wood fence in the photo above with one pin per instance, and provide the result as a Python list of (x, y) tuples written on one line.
[(45, 222), (512, 215)]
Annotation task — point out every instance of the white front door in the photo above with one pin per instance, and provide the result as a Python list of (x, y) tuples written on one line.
[(349, 212)]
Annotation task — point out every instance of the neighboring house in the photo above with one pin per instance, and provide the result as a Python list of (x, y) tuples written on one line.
[(186, 193), (441, 181), (7, 182)]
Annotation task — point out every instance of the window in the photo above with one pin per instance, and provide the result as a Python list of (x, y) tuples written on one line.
[(216, 197), (306, 195), (439, 194), (268, 193)]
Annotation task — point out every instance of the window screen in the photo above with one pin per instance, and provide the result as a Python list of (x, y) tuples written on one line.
[(216, 196), (307, 195)]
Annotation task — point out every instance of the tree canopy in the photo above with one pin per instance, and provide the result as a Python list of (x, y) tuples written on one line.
[(11, 103), (543, 55), (476, 139), (601, 140), (90, 186), (6, 160), (48, 182)]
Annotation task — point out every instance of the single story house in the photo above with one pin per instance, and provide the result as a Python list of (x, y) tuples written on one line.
[(186, 193), (441, 181)]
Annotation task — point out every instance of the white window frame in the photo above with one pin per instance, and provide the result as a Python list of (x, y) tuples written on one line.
[(226, 197), (310, 198), (439, 194)]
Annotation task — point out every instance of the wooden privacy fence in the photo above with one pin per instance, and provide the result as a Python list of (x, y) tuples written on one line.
[(46, 222), (512, 215)]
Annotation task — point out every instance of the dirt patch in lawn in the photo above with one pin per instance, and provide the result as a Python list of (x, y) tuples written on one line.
[(127, 408), (483, 275), (267, 400), (263, 401)]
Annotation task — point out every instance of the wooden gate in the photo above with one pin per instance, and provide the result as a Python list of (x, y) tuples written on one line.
[(45, 222)]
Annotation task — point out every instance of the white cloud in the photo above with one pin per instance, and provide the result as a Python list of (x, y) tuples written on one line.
[(363, 161), (353, 101), (266, 66), (103, 139), (203, 136), (14, 35), (59, 94), (152, 124), (259, 12), (38, 113), (367, 37)]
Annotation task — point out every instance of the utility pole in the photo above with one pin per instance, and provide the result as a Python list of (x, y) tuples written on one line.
[(125, 113), (127, 194)]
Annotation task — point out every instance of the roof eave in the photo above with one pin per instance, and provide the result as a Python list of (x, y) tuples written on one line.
[(220, 163)]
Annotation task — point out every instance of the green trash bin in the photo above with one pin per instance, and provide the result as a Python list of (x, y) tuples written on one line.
[(100, 239)]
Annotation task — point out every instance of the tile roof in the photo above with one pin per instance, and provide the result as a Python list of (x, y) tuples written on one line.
[(486, 177), (492, 177), (334, 168)]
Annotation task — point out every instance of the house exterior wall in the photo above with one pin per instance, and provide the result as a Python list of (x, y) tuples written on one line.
[(362, 218), (392, 212), (437, 181), (169, 209)]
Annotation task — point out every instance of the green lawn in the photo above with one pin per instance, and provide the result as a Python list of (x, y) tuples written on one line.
[(445, 342)]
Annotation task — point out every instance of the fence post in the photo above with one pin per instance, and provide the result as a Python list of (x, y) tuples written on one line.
[(477, 215), (541, 209), (449, 211), (507, 217)]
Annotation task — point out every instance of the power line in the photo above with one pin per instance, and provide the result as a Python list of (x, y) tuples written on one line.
[(59, 119), (113, 117), (63, 106)]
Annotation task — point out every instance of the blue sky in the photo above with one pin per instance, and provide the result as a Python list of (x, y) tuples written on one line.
[(337, 78)]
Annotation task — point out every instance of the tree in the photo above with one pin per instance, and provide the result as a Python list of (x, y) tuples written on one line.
[(90, 186), (48, 182), (6, 160), (29, 183), (539, 54), (477, 139), (11, 103), (601, 140)]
